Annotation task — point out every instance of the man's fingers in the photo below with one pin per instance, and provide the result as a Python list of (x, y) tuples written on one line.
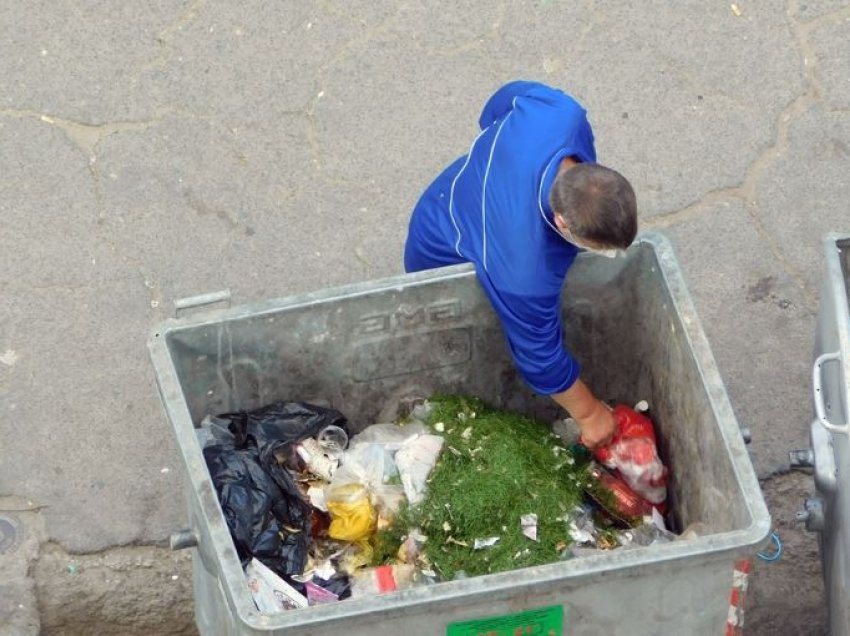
[(593, 445), (588, 444)]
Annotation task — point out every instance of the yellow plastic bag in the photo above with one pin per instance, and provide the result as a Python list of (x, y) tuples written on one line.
[(353, 517)]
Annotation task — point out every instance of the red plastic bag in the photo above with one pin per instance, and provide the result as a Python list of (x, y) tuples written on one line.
[(634, 455)]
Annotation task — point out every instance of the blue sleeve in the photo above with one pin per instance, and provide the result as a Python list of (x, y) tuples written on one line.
[(532, 326), (502, 100)]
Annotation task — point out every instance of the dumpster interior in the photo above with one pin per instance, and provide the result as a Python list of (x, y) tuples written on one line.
[(368, 354)]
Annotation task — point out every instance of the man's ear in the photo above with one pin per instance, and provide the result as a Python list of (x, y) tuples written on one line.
[(560, 223)]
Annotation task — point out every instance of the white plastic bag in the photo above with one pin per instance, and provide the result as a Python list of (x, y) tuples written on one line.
[(390, 436), (382, 451), (415, 460)]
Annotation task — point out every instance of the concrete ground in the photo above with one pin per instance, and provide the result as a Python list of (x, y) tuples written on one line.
[(151, 151)]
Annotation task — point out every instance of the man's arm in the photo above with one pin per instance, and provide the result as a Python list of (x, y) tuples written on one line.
[(595, 419), (533, 329)]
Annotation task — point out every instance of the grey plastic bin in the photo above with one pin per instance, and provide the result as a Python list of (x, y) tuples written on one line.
[(828, 512), (629, 320)]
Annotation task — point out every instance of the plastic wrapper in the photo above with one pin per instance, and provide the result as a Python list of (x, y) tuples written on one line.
[(353, 518), (265, 512), (634, 455), (382, 579), (646, 534), (582, 530), (317, 595)]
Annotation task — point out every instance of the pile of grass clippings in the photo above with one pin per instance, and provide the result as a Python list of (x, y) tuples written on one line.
[(495, 466)]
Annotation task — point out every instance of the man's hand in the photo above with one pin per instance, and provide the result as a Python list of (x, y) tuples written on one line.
[(598, 429), (595, 419)]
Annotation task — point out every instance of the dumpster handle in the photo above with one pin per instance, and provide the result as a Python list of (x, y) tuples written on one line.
[(183, 539), (222, 296), (820, 410)]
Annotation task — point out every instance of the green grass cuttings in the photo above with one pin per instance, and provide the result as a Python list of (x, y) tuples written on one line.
[(495, 466)]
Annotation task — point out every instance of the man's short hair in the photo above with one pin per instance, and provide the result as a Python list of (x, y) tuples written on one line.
[(597, 203)]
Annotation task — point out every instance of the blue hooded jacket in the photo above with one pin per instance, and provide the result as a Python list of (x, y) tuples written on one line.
[(491, 208)]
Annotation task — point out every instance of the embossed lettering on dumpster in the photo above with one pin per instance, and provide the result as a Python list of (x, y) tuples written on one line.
[(411, 316)]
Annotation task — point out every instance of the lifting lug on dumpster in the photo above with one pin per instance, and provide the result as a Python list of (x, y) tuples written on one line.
[(803, 458), (183, 539), (812, 514), (202, 300)]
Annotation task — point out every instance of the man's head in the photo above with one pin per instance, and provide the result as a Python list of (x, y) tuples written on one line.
[(595, 207)]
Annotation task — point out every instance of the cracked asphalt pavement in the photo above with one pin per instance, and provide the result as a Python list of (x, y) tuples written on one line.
[(158, 150)]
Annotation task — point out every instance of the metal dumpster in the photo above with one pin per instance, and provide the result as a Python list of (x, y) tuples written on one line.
[(631, 323), (828, 512)]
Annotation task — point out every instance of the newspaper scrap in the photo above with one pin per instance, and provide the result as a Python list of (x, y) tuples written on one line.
[(271, 593)]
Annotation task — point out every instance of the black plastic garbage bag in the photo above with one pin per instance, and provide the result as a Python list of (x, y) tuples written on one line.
[(283, 422), (267, 517), (264, 520)]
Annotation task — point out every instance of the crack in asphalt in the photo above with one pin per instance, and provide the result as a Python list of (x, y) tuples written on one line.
[(86, 138), (746, 191)]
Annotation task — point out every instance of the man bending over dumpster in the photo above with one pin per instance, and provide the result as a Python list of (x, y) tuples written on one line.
[(520, 205)]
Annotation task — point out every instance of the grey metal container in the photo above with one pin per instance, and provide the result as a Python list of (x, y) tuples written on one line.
[(828, 512), (631, 323)]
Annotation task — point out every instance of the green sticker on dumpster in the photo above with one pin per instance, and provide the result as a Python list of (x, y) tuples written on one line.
[(544, 621)]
